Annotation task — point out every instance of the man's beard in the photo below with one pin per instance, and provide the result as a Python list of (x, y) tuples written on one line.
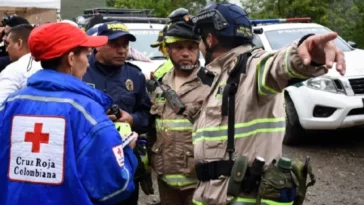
[(184, 67)]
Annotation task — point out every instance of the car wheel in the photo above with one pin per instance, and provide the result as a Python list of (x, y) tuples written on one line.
[(295, 134)]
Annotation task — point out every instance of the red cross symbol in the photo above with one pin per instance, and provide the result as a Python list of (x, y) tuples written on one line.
[(119, 151), (37, 137)]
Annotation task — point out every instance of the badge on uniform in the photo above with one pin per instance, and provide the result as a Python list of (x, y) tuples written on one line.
[(129, 85), (220, 90)]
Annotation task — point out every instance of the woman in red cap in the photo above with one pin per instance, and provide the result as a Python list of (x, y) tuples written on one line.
[(57, 144)]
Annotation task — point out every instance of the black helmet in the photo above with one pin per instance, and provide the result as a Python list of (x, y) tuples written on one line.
[(228, 19), (177, 15), (181, 26)]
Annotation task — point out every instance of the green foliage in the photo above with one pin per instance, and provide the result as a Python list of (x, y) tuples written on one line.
[(162, 8), (343, 16), (110, 3)]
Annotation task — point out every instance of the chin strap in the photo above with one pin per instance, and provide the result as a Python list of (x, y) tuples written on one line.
[(209, 51)]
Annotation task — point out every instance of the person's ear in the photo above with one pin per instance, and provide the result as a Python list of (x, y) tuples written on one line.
[(71, 58), (211, 40), (20, 43)]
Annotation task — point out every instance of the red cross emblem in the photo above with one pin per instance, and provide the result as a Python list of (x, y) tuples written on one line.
[(37, 137), (119, 151)]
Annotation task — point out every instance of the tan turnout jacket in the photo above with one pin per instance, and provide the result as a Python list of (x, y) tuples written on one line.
[(172, 153), (259, 113)]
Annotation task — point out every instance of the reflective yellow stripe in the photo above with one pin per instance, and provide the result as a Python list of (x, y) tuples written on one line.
[(262, 69), (197, 202), (177, 124), (270, 202), (289, 70), (163, 69), (264, 125), (179, 180), (245, 201)]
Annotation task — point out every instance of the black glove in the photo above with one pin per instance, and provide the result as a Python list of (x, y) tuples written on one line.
[(146, 184)]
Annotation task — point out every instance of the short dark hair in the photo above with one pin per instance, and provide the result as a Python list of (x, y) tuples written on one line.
[(224, 42), (21, 32), (14, 20), (53, 64)]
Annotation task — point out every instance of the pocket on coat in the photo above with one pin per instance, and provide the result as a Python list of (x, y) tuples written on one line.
[(157, 108), (213, 116), (214, 150), (193, 110), (189, 165), (213, 147), (157, 158)]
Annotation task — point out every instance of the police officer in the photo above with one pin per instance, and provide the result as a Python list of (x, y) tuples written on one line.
[(172, 157), (123, 81), (259, 121)]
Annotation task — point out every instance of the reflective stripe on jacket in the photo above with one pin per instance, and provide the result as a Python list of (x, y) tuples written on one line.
[(259, 112), (172, 153)]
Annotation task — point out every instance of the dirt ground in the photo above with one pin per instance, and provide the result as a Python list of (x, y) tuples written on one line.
[(338, 161)]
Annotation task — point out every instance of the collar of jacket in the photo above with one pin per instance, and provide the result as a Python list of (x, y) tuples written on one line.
[(225, 61), (168, 79), (51, 80), (104, 69), (27, 55)]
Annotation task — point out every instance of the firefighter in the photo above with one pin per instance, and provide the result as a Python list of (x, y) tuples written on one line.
[(166, 66), (172, 151), (258, 126)]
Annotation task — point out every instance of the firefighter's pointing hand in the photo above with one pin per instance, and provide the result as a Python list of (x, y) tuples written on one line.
[(321, 49)]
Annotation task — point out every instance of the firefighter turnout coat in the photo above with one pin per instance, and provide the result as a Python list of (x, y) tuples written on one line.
[(172, 152), (259, 114)]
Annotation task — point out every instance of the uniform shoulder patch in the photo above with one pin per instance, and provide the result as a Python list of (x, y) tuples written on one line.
[(119, 155), (37, 150), (133, 65), (207, 77)]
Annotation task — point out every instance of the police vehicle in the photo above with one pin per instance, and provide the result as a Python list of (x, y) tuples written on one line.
[(323, 103), (140, 22)]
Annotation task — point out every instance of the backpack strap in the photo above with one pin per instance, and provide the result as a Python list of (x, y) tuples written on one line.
[(228, 99)]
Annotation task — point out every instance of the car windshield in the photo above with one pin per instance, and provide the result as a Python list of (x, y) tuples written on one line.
[(144, 39), (280, 38)]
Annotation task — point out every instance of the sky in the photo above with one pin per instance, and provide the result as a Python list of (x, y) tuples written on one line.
[(235, 2)]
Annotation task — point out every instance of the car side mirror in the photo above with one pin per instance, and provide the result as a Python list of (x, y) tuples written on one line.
[(258, 30), (352, 44)]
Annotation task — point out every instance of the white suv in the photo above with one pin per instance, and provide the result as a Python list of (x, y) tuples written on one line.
[(146, 34), (323, 103)]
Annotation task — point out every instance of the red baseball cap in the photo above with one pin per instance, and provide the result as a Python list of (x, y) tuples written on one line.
[(52, 40)]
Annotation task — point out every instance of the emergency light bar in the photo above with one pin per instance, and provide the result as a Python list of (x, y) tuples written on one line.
[(287, 20)]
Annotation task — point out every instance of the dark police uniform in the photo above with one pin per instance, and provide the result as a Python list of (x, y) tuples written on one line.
[(127, 87)]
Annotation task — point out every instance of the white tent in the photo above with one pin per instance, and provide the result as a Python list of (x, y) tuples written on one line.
[(46, 4)]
